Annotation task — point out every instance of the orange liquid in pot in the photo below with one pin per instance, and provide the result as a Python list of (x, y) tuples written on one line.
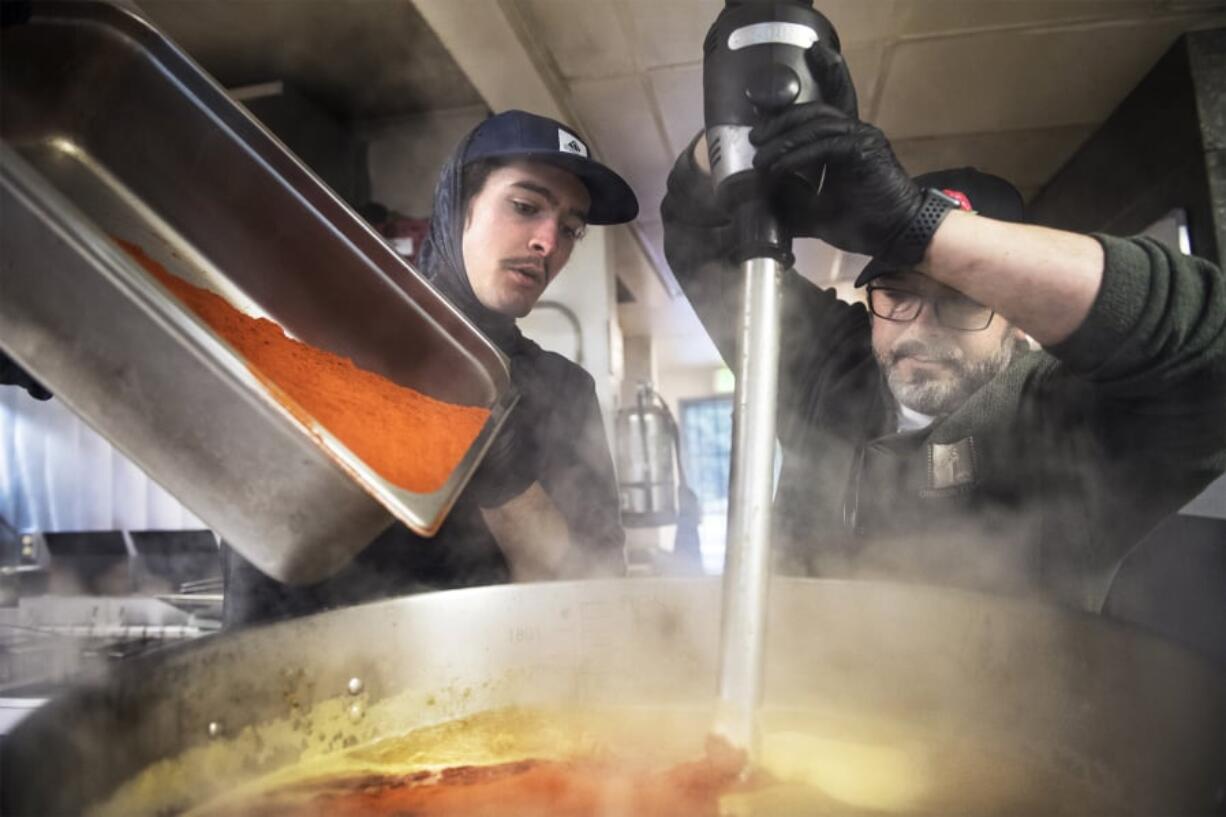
[(615, 762), (526, 788)]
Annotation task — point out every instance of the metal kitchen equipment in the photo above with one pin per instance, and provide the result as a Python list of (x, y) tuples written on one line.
[(646, 439), (754, 65), (110, 130), (1139, 722)]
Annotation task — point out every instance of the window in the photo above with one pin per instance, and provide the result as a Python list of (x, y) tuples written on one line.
[(706, 436)]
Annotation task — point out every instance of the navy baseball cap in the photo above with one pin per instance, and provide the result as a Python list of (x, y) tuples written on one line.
[(975, 191), (519, 134)]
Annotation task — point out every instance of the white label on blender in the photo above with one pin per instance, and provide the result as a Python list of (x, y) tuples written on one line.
[(762, 33)]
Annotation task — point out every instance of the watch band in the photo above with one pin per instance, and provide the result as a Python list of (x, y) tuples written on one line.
[(908, 249)]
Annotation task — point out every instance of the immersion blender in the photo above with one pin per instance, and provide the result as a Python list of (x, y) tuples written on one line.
[(753, 66)]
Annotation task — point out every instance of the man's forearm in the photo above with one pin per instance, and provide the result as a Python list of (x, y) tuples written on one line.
[(539, 545), (1042, 280), (532, 533)]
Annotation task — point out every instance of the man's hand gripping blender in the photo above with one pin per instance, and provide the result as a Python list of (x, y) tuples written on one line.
[(761, 59)]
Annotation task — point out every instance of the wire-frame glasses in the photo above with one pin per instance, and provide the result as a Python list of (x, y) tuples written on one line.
[(954, 311)]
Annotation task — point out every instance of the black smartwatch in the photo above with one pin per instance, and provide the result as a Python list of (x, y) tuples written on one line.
[(908, 249)]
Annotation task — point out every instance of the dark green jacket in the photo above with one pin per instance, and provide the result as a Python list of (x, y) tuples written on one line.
[(1040, 483)]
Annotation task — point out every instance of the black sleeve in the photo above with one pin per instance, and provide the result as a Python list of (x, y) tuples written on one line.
[(696, 236), (1133, 408), (251, 597), (1152, 353), (11, 374), (576, 467), (397, 562), (825, 348)]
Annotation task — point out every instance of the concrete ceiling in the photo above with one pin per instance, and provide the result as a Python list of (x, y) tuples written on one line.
[(1010, 86)]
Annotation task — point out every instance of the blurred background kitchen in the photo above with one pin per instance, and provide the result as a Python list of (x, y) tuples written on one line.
[(1108, 114)]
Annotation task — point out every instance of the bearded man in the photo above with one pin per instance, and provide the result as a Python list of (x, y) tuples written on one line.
[(922, 437)]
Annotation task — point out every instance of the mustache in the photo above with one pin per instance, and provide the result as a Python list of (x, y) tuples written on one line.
[(527, 262), (940, 352)]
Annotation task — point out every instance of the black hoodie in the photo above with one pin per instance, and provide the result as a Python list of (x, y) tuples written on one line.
[(573, 466)]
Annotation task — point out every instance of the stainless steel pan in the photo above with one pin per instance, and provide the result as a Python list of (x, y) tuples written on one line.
[(110, 130), (1139, 722)]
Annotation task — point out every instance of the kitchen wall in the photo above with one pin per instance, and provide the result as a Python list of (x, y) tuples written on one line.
[(404, 155), (689, 383), (327, 146)]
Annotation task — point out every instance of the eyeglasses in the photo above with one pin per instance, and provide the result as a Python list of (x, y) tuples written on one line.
[(952, 311)]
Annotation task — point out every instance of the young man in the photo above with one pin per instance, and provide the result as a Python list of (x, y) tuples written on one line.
[(510, 205), (922, 438)]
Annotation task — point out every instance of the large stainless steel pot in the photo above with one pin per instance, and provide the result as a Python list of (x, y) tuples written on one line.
[(1137, 719)]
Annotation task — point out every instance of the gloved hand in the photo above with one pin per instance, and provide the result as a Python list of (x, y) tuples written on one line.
[(830, 71), (866, 200), (13, 375), (697, 229), (511, 463)]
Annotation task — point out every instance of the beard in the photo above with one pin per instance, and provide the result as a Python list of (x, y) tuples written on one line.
[(939, 392)]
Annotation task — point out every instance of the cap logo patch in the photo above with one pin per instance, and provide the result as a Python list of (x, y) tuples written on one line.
[(960, 197), (569, 143)]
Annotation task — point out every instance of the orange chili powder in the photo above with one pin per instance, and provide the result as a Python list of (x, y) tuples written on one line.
[(409, 439)]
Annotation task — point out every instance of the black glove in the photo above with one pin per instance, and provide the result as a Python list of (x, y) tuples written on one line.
[(13, 375), (866, 200), (808, 194), (697, 230), (829, 69), (511, 463)]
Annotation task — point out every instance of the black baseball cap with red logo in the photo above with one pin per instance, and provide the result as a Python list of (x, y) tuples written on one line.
[(975, 191)]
